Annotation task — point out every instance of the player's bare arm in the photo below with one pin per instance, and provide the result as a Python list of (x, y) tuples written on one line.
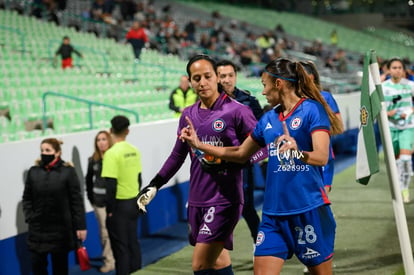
[(320, 143)]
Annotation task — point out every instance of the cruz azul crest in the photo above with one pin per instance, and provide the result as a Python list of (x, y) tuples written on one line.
[(219, 125)]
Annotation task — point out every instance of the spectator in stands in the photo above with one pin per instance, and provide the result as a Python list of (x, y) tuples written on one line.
[(279, 28), (227, 74), (101, 10), (121, 170), (174, 42), (297, 218), (334, 37), (328, 169), (96, 193), (190, 29), (137, 37), (139, 14), (204, 41), (216, 196), (46, 10), (65, 51), (53, 208), (265, 41), (341, 62), (128, 8), (398, 93), (315, 49), (182, 96), (338, 62)]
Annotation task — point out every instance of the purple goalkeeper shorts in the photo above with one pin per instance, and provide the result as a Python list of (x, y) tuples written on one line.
[(213, 224)]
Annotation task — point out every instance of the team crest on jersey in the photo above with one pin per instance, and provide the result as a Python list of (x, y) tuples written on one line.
[(260, 238), (219, 125), (295, 123)]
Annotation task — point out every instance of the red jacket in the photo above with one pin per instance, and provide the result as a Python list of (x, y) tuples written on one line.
[(137, 34)]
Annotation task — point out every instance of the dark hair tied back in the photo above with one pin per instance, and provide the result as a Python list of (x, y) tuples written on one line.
[(200, 57)]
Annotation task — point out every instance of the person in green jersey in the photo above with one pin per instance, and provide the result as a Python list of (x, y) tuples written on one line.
[(121, 170), (398, 94)]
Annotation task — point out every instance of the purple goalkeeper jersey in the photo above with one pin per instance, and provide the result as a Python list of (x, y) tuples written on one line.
[(227, 123)]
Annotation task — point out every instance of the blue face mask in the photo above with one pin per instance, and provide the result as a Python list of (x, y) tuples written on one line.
[(46, 159)]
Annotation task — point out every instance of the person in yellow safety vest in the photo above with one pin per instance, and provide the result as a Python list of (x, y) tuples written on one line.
[(181, 97)]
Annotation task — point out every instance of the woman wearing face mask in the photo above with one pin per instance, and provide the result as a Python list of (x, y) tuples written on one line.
[(53, 208)]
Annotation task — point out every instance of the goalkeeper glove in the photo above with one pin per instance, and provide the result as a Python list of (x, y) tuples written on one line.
[(148, 193)]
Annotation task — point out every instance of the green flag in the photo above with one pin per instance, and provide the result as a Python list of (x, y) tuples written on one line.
[(371, 98)]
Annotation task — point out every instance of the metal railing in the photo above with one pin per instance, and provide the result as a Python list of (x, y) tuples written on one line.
[(90, 103), (19, 33)]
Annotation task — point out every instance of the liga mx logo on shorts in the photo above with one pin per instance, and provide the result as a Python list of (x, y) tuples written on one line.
[(295, 123), (219, 125), (260, 238)]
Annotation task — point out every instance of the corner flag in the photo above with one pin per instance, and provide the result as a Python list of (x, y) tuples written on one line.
[(367, 162), (372, 107)]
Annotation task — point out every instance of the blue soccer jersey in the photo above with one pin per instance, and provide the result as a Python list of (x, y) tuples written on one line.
[(335, 109), (331, 101), (328, 169), (292, 186), (227, 123)]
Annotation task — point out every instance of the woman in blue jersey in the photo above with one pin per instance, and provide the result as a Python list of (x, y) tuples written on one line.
[(215, 199), (296, 215), (328, 169)]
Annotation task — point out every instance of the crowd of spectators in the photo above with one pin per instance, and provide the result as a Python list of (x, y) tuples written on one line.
[(230, 39)]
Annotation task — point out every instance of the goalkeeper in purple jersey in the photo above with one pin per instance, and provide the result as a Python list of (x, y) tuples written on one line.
[(216, 194), (296, 214), (328, 169)]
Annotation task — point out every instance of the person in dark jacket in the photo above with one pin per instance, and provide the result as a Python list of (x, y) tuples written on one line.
[(53, 208), (227, 73), (65, 51), (96, 192)]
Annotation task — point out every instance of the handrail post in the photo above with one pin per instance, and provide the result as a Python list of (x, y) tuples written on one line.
[(164, 79), (90, 115), (135, 68), (44, 118)]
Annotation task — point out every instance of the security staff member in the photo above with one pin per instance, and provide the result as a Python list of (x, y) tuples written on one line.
[(122, 173), (183, 96)]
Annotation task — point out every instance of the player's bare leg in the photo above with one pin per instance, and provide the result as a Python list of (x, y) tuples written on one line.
[(210, 256), (324, 268), (268, 265)]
